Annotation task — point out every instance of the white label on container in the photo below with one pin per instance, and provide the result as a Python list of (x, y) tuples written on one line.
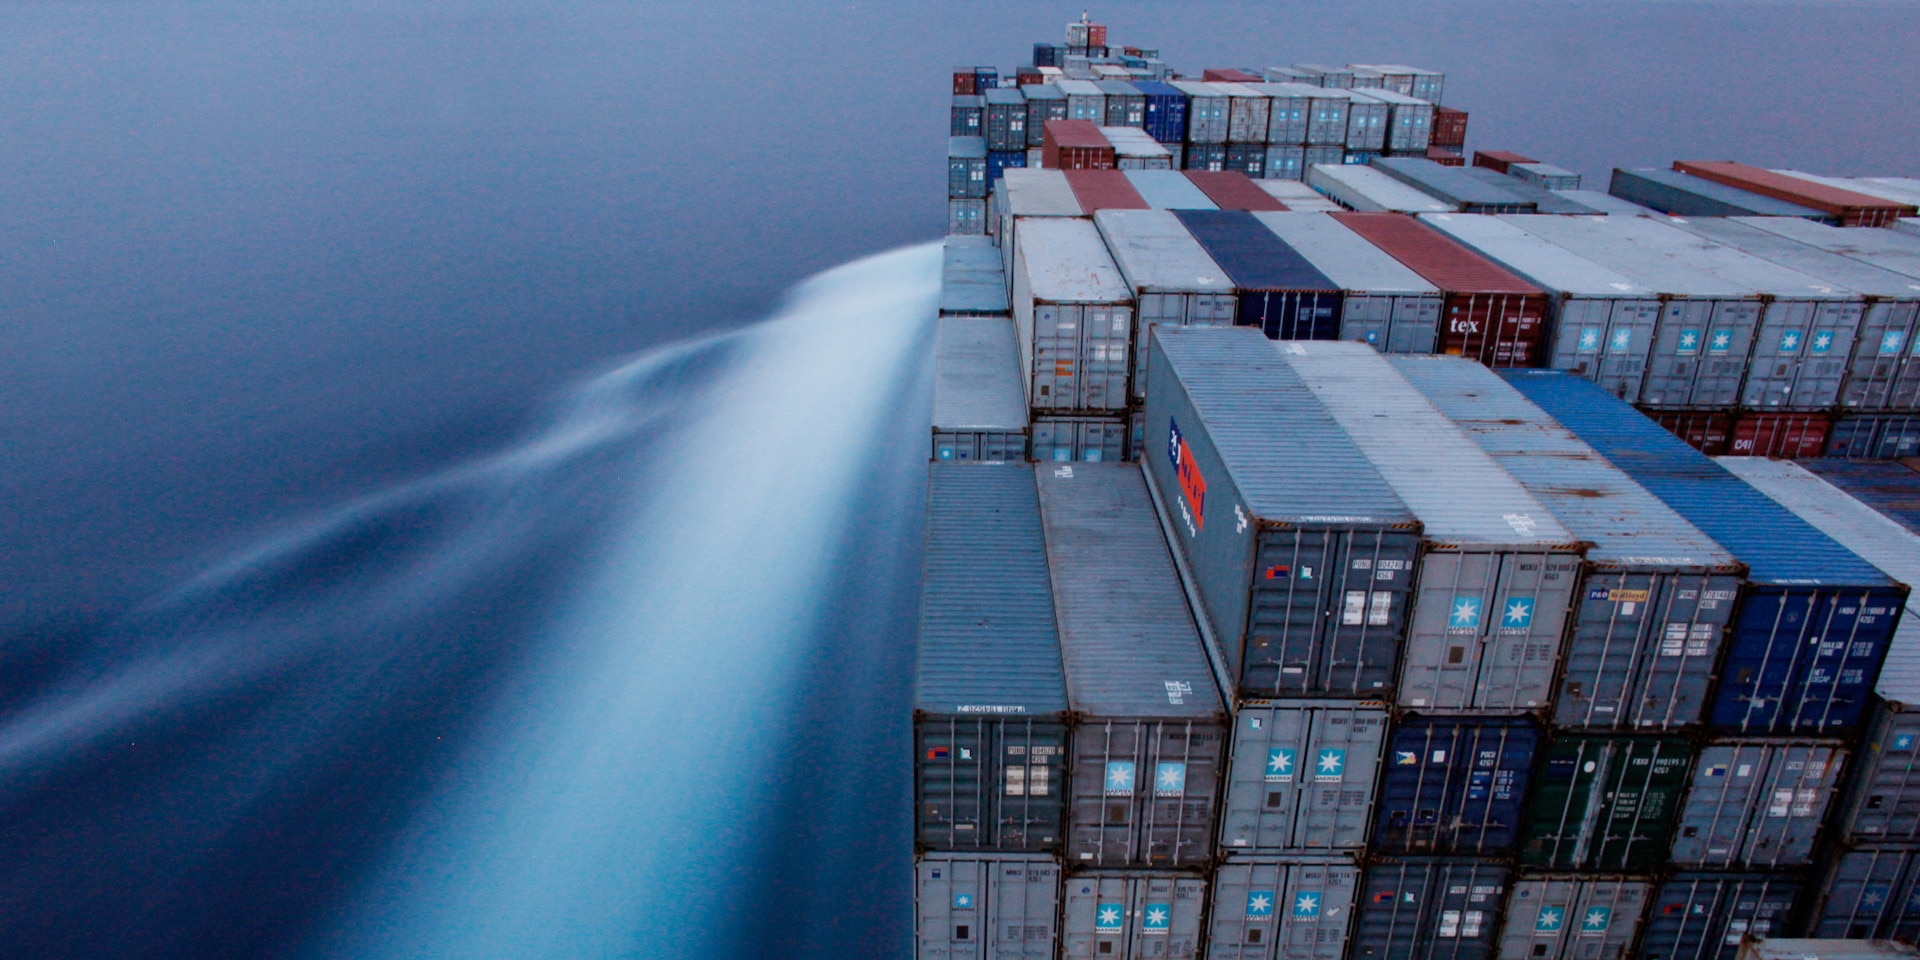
[(1382, 606), (1037, 781), (1522, 523), (1178, 691), (1450, 923), (1470, 926), (1355, 611), (1016, 781), (1782, 802)]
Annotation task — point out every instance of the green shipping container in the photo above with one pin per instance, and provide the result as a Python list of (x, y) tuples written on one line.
[(1606, 803)]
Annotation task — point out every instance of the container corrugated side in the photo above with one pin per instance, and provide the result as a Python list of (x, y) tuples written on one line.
[(1133, 914), (1498, 573), (1452, 186), (979, 410), (1272, 909), (1149, 744), (1852, 208), (1870, 894), (1682, 195), (1302, 776), (1455, 786), (1300, 553), (1280, 292), (1704, 916), (1569, 917), (1606, 803), (1757, 804), (1430, 908), (1890, 488), (972, 283), (1543, 199), (1386, 305), (990, 695), (1206, 111), (1004, 906), (1490, 314), (1802, 586), (1174, 281), (1074, 314), (1652, 613), (1367, 190)]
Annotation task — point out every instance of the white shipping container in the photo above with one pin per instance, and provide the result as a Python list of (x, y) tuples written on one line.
[(1171, 276), (1369, 191), (1274, 909), (1074, 314), (997, 906), (1133, 915), (1029, 192)]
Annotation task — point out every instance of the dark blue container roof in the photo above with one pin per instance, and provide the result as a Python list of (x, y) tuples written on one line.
[(1154, 88), (1253, 257), (1888, 486), (1777, 546)]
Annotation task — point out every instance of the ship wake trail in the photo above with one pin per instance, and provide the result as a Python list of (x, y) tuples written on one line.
[(632, 687)]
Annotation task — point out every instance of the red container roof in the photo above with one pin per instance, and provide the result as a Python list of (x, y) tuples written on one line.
[(1503, 156), (1082, 134), (1231, 190), (1779, 186), (1230, 76), (1444, 263), (1104, 190)]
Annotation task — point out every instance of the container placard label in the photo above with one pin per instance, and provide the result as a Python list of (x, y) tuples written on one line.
[(1193, 486)]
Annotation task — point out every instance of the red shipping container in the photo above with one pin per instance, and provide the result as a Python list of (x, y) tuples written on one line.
[(1096, 34), (1449, 127), (963, 82), (1853, 209), (1104, 190), (1781, 435), (1029, 76), (1075, 145), (1446, 157), (1229, 76), (1709, 433), (1487, 314), (1499, 160), (1231, 190)]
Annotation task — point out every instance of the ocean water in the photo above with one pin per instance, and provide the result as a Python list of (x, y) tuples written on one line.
[(391, 424)]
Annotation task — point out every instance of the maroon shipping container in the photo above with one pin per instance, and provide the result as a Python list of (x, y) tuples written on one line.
[(1231, 190), (964, 84), (1104, 190), (1449, 127), (1487, 314), (1096, 34), (1446, 156), (1029, 76), (1499, 159), (1075, 145), (1709, 433), (1788, 435), (1230, 76), (1853, 209)]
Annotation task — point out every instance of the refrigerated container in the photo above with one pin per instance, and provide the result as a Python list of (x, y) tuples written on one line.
[(1302, 776), (1079, 439), (1571, 917), (1849, 208), (1497, 572), (1704, 916), (1651, 615), (1074, 315), (979, 410), (990, 698), (1813, 620), (1757, 804), (997, 906), (1455, 786), (1206, 111), (1267, 908), (1133, 914), (1606, 803), (1430, 908), (1601, 323), (1873, 893), (1279, 292), (1300, 554), (1683, 195), (1383, 303), (1488, 314), (1149, 739), (1172, 278), (1452, 186)]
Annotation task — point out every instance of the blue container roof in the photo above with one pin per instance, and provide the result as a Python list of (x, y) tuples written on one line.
[(1254, 257), (1154, 88), (1778, 547), (1888, 486)]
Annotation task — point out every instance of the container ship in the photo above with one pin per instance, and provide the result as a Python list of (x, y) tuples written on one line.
[(1340, 549)]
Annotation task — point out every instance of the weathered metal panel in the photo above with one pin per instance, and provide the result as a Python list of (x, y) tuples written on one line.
[(1606, 803), (1282, 909), (1074, 315), (1421, 908), (1870, 894), (1133, 915), (986, 907), (1302, 776), (1757, 804), (1704, 916), (1566, 917), (1455, 785)]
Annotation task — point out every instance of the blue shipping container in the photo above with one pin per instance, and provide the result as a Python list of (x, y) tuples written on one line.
[(1280, 291), (1875, 437), (998, 162), (1166, 111), (1702, 916), (1891, 488), (1455, 785), (1814, 620)]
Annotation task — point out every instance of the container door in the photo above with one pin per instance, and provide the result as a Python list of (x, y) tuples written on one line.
[(1339, 768), (1107, 792), (1613, 630), (1367, 319), (1155, 309), (1853, 630), (1724, 349), (1105, 359), (1792, 801), (1772, 642), (1836, 325), (1561, 820), (1100, 916), (1176, 810), (1428, 910), (1704, 917), (1875, 364), (1644, 783), (1264, 793), (1416, 325), (950, 900), (1316, 907), (1674, 364), (1871, 894), (1670, 686), (1023, 900), (1727, 782), (1906, 386), (1629, 339), (1245, 917), (1056, 356), (1779, 348), (1527, 622), (1886, 805), (1452, 615)]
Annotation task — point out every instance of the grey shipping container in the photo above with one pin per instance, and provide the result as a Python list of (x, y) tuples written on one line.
[(1133, 914), (1698, 359), (979, 412), (1331, 77), (1685, 195), (1285, 162), (1651, 617), (1149, 740), (966, 115), (1302, 776), (1496, 580), (1044, 102), (1172, 278), (1075, 317), (1452, 186), (986, 906), (1882, 373), (1602, 322), (1327, 121), (1566, 917), (1410, 122), (1272, 909), (1412, 81), (1545, 175), (966, 218), (990, 697), (1543, 200), (1608, 204), (1028, 192), (1367, 122), (1704, 916), (1870, 893), (1301, 555), (1289, 112), (1757, 804), (1079, 439), (1006, 119), (1324, 154), (971, 281), (1084, 101), (967, 168), (1430, 908), (1206, 111), (1386, 305), (1370, 191), (1247, 116), (1126, 105)]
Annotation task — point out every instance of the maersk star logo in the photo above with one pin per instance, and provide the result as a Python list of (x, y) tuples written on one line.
[(1307, 905), (1120, 776), (1154, 918), (1891, 340), (1622, 339), (1790, 341), (1596, 920), (1722, 341), (1107, 918), (1519, 615), (1590, 339), (1170, 779), (1903, 742), (1330, 764), (1466, 612), (1823, 341), (1689, 341), (1280, 764), (1550, 919), (1873, 896), (1260, 904), (963, 901)]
